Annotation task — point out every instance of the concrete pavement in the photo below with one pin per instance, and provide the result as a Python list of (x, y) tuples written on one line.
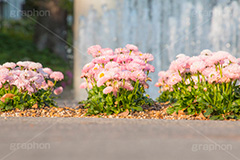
[(109, 139)]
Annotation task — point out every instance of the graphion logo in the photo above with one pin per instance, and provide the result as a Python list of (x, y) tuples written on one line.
[(211, 147), (33, 12), (29, 146)]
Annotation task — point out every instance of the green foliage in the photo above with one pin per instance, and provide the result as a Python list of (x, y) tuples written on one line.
[(164, 97), (23, 100), (98, 102), (216, 100), (23, 28), (14, 48), (67, 5)]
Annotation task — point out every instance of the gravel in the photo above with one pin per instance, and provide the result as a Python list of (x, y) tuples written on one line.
[(158, 111)]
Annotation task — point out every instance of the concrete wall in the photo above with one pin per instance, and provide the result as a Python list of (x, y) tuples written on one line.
[(161, 27), (81, 8), (12, 9)]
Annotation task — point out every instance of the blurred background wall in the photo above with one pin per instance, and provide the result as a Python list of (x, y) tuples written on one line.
[(164, 28), (7, 9)]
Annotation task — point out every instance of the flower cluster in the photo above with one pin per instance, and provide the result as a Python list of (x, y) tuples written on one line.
[(208, 83), (28, 76), (117, 78), (25, 84), (212, 67), (116, 69)]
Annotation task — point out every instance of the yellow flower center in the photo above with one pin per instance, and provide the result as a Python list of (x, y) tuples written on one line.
[(101, 75)]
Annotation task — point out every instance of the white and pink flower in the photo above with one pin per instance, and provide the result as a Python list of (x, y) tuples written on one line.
[(118, 69)]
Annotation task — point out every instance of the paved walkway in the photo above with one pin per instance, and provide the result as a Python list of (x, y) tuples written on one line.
[(123, 139), (67, 103)]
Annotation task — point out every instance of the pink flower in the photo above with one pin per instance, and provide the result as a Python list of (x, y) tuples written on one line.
[(110, 65), (197, 66), (44, 85), (193, 59), (3, 75), (178, 65), (224, 80), (58, 90), (57, 76), (232, 71), (206, 52), (181, 56), (160, 82), (23, 64), (124, 75), (107, 90), (21, 83), (87, 67), (218, 57), (232, 59), (211, 75), (95, 71), (133, 66), (95, 50), (132, 47), (47, 70), (30, 89), (210, 72), (149, 68), (174, 79), (147, 57), (101, 60), (140, 75), (86, 85), (83, 85), (213, 79), (128, 86), (101, 81), (113, 57), (33, 65), (124, 58), (203, 57), (238, 61), (163, 74), (138, 61), (40, 70), (121, 51), (102, 78), (107, 51), (38, 80), (10, 65)]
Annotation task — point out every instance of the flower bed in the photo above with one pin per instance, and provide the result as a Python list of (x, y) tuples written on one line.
[(26, 84), (116, 80), (200, 87), (207, 84)]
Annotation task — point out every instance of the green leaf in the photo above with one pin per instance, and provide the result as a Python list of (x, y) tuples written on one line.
[(237, 102), (130, 97), (170, 110), (208, 112), (230, 117), (238, 116), (217, 117), (138, 108)]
